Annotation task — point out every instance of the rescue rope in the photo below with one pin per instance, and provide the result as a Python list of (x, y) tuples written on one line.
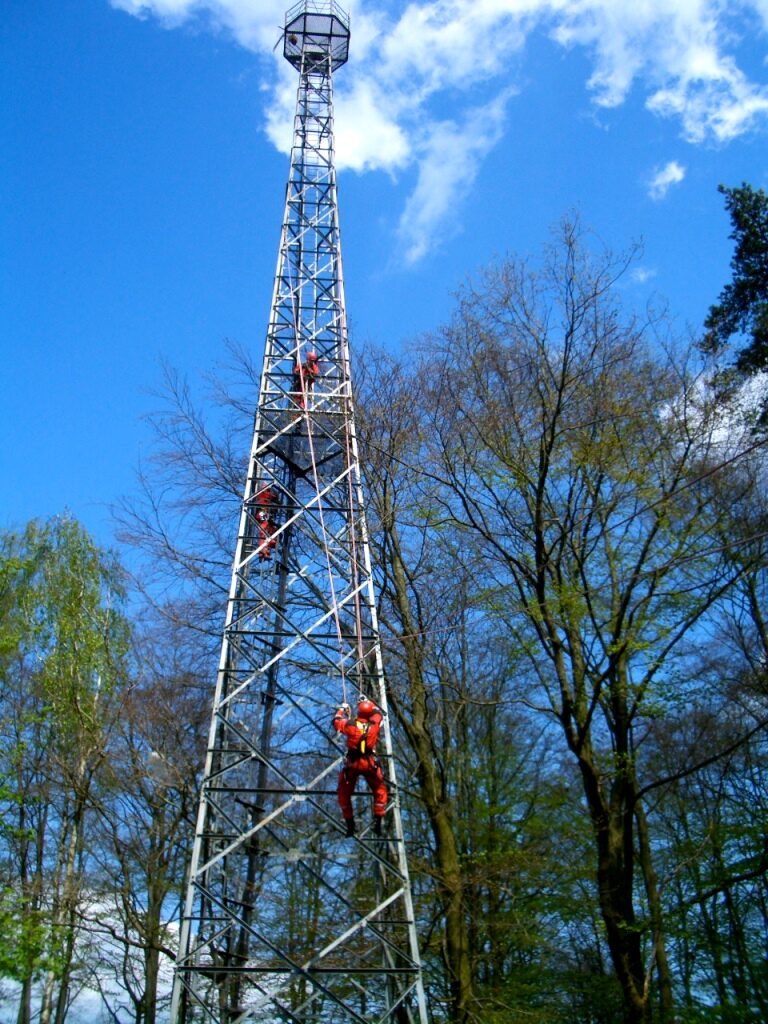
[(305, 391), (326, 549), (353, 538)]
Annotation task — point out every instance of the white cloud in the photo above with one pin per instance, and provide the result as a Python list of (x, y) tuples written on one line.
[(255, 24), (368, 132), (664, 178), (761, 6), (412, 53), (677, 52), (448, 161), (642, 275)]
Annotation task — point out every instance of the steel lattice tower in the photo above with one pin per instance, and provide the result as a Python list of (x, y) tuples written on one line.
[(285, 919)]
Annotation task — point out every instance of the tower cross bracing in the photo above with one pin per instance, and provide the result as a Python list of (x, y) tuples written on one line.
[(285, 919)]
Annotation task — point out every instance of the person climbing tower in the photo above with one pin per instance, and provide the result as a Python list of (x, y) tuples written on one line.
[(266, 500), (304, 377), (362, 733)]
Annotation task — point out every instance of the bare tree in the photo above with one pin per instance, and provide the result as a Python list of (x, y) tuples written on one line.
[(147, 800)]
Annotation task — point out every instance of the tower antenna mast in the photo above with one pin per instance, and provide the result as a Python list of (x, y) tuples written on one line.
[(285, 918)]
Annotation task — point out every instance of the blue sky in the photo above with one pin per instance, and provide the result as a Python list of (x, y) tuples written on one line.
[(143, 160)]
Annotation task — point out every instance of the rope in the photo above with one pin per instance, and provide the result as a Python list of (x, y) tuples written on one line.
[(351, 497), (305, 391)]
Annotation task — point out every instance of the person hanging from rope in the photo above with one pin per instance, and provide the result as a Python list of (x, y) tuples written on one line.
[(266, 501), (304, 377), (362, 733)]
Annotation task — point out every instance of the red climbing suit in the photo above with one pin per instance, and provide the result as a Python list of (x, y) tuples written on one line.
[(266, 501), (362, 734), (304, 377)]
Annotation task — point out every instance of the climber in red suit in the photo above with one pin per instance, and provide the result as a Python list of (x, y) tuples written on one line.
[(304, 377), (266, 501), (362, 734)]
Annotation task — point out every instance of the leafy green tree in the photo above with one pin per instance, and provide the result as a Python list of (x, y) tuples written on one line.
[(23, 928), (64, 651), (496, 892), (742, 308), (571, 451)]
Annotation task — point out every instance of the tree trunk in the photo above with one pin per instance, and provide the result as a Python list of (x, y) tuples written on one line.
[(613, 842), (46, 1003), (663, 975), (151, 973), (68, 916), (24, 1015), (436, 802)]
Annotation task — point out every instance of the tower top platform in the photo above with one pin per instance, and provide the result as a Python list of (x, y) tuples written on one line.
[(314, 29)]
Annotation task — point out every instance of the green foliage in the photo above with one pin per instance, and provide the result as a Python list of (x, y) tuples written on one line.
[(63, 654), (16, 569), (742, 307), (61, 619), (24, 938)]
